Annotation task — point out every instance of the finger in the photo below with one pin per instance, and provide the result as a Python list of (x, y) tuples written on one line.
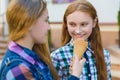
[(83, 60)]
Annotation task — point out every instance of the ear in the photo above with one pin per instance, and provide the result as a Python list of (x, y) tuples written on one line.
[(95, 22)]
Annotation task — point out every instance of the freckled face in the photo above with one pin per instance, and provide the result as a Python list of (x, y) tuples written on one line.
[(80, 22), (40, 28)]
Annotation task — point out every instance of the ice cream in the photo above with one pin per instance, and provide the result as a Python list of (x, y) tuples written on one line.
[(80, 46)]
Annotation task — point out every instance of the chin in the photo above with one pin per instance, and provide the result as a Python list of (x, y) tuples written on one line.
[(41, 42)]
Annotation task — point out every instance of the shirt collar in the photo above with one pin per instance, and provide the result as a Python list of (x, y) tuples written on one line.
[(27, 54)]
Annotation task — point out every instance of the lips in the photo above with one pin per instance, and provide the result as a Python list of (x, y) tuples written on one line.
[(78, 36)]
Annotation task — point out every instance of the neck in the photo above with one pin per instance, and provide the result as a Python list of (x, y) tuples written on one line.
[(25, 42)]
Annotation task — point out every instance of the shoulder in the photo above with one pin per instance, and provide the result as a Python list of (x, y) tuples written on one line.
[(106, 52), (15, 68), (107, 57)]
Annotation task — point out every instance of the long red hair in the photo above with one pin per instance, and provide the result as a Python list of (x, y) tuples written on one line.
[(94, 38)]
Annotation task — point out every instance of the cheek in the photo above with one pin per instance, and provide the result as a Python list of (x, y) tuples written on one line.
[(88, 31), (71, 31), (37, 33)]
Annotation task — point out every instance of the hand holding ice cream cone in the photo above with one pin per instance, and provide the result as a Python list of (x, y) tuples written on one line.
[(80, 47)]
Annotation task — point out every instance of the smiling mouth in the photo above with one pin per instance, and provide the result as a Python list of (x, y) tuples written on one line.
[(78, 36)]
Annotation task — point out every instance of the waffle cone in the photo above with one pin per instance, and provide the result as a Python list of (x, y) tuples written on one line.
[(79, 47)]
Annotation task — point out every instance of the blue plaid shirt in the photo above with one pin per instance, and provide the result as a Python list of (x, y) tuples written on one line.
[(24, 66), (61, 59)]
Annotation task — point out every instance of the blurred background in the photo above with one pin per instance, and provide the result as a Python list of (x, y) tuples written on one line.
[(108, 15)]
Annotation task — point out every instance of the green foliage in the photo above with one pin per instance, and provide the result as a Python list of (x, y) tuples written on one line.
[(119, 19)]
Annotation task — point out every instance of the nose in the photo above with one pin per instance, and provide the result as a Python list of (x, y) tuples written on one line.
[(77, 30)]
